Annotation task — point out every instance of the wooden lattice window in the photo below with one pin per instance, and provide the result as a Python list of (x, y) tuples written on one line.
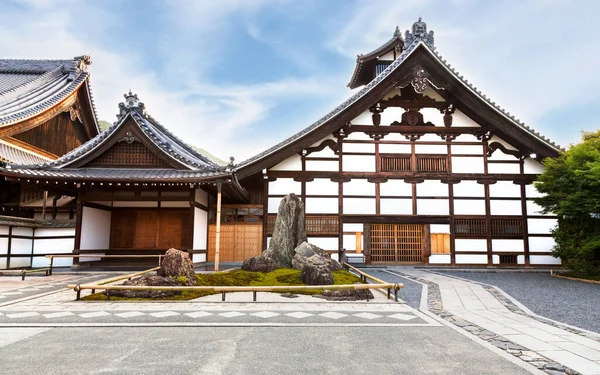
[(508, 259), (128, 154), (431, 163), (315, 225), (395, 163), (470, 227), (507, 227)]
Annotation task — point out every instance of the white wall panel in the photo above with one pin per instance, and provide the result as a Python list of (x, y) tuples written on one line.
[(395, 206), (293, 163), (201, 197), (322, 186), (390, 115), (22, 232), (20, 246), (505, 207), (432, 206), (505, 189), (48, 232), (325, 243), (433, 115), (20, 262), (359, 206), (504, 168), (469, 207), (507, 245), (431, 149), (541, 226), (3, 246), (199, 258), (439, 259), (467, 149), (471, 259), (284, 186), (462, 244), (3, 230), (429, 138), (359, 147), (330, 136), (469, 188), (200, 229), (541, 244), (349, 242), (364, 118), (323, 165), (394, 149), (134, 204), (503, 143), (56, 245), (467, 165), (274, 205), (532, 192), (2, 263), (327, 152), (359, 187), (460, 119), (534, 209), (95, 229), (432, 188), (359, 136), (533, 166), (395, 188), (544, 259), (440, 228), (352, 227), (358, 163), (321, 205)]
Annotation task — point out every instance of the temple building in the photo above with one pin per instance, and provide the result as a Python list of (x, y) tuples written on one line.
[(417, 167)]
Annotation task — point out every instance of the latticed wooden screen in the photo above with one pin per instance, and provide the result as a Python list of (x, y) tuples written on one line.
[(501, 227), (132, 154), (315, 225), (507, 227), (431, 163), (238, 242), (396, 243), (395, 163), (470, 227)]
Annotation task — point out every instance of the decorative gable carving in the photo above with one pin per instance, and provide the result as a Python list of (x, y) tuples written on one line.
[(128, 153)]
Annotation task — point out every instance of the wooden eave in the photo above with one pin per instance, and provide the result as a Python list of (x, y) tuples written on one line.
[(364, 70)]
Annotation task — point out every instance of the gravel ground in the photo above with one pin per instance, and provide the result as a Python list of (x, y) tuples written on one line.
[(567, 301), (411, 293)]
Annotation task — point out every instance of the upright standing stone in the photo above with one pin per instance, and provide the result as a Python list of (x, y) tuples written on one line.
[(177, 263)]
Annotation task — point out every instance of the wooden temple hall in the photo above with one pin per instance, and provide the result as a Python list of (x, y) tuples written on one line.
[(418, 166)]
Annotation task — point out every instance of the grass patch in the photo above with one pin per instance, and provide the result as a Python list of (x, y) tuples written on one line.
[(279, 277), (576, 275)]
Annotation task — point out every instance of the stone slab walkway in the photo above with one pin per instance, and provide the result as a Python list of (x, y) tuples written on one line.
[(471, 302)]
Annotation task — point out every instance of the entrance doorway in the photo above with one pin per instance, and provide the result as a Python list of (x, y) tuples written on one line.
[(397, 243)]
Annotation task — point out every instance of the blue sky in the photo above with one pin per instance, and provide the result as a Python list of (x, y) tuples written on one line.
[(237, 76)]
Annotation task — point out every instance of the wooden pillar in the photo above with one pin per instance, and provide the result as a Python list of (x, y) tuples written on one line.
[(367, 240), (191, 221), (44, 204), (488, 215), (525, 226), (9, 247), (218, 224), (265, 209), (78, 222)]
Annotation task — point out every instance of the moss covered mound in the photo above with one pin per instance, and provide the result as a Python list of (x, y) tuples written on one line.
[(279, 277)]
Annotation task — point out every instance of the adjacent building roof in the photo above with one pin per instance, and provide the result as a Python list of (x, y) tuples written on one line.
[(418, 48), (31, 87), (35, 223), (13, 154)]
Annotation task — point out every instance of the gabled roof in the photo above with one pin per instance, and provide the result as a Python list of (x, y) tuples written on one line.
[(12, 154), (419, 50), (31, 87)]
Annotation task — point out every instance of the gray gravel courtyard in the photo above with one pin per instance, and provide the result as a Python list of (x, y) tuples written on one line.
[(571, 302)]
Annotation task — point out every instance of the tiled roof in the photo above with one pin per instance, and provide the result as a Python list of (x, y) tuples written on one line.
[(14, 221), (30, 87), (112, 174), (419, 40), (11, 154)]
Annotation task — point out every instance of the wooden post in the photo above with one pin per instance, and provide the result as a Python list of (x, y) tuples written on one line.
[(218, 226), (44, 204)]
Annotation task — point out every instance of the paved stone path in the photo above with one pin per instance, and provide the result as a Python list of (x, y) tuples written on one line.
[(472, 303)]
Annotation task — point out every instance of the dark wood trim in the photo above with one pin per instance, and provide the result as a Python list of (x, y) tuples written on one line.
[(367, 242), (340, 142), (395, 219), (451, 207), (314, 158), (265, 212), (9, 247), (96, 206), (78, 222), (488, 209), (192, 218), (524, 216), (377, 184), (418, 142), (199, 205), (539, 235)]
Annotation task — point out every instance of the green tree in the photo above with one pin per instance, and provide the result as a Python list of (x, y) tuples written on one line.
[(571, 184)]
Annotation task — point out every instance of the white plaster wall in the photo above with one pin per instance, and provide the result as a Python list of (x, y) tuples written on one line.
[(439, 259), (284, 186), (505, 189), (199, 258), (359, 206), (358, 163), (47, 232), (534, 209), (393, 149), (390, 115), (20, 246), (471, 259), (200, 229), (498, 155), (325, 243), (431, 149), (3, 230), (352, 227), (293, 163), (323, 165), (335, 257), (541, 244), (330, 136), (359, 136), (321, 205), (22, 232), (505, 207), (532, 166), (359, 187), (167, 204), (365, 118), (541, 226), (507, 245), (359, 147), (504, 168), (327, 152), (469, 188), (134, 204), (2, 263), (543, 259), (395, 188), (395, 206), (95, 229), (3, 245), (201, 196), (274, 205), (429, 138), (463, 244), (503, 142), (432, 188), (460, 119), (433, 115), (349, 242), (467, 149), (322, 186), (440, 228), (469, 207), (387, 57), (467, 165), (432, 206), (532, 192), (53, 246), (20, 262)]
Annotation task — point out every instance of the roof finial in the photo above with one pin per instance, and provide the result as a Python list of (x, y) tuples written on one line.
[(397, 32), (419, 32)]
